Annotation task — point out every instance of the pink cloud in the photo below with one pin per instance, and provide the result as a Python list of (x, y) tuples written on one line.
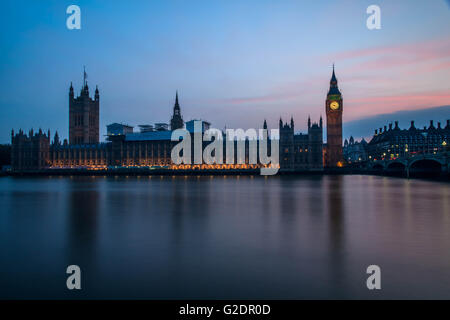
[(366, 106), (375, 74), (420, 57), (431, 49), (440, 65), (374, 81)]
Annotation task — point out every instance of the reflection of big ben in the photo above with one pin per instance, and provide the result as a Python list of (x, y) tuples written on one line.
[(333, 107)]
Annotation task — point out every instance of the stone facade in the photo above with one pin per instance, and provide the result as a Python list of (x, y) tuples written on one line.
[(334, 108), (84, 116), (149, 148), (393, 142), (298, 151), (30, 151)]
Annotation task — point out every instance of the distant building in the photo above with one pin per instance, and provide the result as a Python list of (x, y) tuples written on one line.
[(115, 129), (393, 142), (143, 128), (161, 126), (204, 125), (355, 151), (84, 116)]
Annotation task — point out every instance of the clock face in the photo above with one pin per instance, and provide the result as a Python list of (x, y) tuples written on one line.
[(334, 105)]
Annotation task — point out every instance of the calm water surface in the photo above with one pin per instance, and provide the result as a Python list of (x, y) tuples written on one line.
[(224, 237)]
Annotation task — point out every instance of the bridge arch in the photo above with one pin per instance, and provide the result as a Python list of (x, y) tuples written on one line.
[(426, 166), (396, 168), (435, 160)]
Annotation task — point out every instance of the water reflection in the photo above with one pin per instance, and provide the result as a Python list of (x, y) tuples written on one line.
[(82, 221), (224, 237), (336, 227)]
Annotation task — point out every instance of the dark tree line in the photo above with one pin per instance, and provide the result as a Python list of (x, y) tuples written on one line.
[(5, 155)]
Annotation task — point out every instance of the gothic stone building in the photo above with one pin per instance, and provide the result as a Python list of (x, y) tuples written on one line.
[(30, 151), (355, 151), (393, 142), (148, 148), (298, 151)]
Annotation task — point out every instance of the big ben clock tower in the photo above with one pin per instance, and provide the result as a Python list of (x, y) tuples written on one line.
[(334, 108)]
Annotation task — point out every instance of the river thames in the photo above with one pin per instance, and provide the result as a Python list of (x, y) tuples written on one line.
[(302, 237)]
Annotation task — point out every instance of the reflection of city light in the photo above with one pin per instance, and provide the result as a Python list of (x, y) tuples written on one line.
[(219, 166), (165, 166)]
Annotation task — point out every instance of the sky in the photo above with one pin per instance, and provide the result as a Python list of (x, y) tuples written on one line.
[(234, 62)]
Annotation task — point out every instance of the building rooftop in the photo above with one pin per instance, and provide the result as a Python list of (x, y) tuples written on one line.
[(151, 135), (388, 132)]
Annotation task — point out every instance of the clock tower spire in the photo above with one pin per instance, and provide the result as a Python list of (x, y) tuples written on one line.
[(333, 109)]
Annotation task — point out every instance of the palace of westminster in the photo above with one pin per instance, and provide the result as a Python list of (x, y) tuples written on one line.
[(151, 146)]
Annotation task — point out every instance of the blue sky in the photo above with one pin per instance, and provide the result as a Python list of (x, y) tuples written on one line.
[(234, 63)]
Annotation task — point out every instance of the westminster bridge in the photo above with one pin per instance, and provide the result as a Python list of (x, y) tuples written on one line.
[(415, 164)]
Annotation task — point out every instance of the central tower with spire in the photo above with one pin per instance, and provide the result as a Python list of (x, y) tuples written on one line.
[(177, 121), (334, 109)]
